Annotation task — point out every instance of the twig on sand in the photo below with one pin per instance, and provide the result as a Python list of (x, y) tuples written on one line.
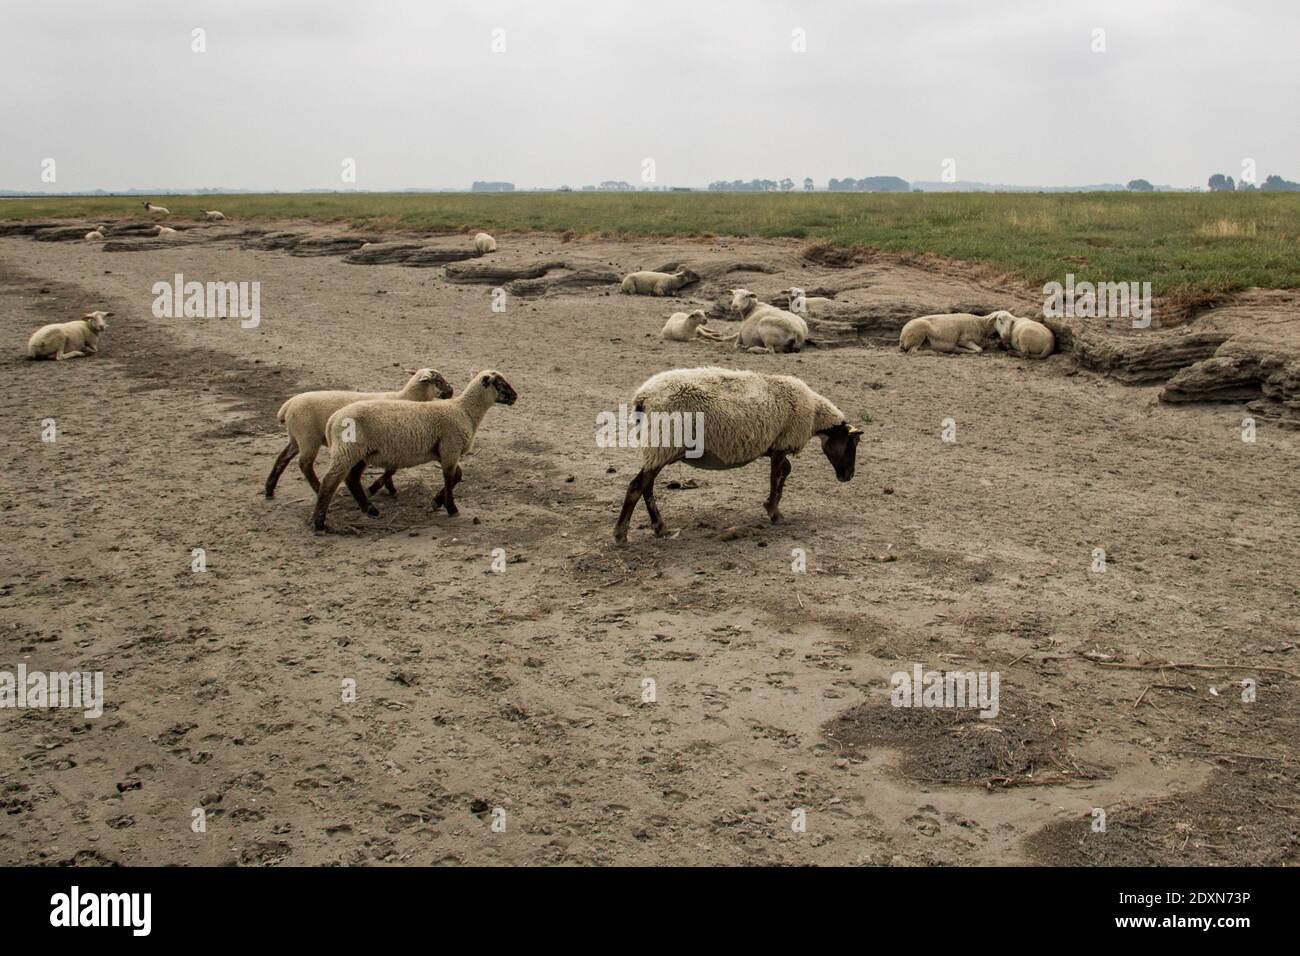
[(1140, 696), (1218, 753), (1173, 665)]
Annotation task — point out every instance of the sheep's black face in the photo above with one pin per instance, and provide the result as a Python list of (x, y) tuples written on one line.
[(505, 393), (840, 443)]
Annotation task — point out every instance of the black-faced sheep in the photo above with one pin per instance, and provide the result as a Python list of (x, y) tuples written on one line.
[(744, 416), (156, 210)]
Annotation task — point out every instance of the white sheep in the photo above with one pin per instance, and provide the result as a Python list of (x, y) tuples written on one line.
[(392, 435), (803, 304), (156, 210), (687, 326), (1027, 337), (484, 243), (66, 340), (764, 327), (743, 416), (953, 332), (164, 231), (306, 415), (657, 283), (95, 234), (212, 215)]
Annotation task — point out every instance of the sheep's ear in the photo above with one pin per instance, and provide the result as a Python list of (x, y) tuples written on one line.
[(855, 430)]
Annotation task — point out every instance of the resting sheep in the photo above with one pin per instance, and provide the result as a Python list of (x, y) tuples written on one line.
[(212, 215), (657, 283), (65, 340), (1025, 336), (745, 416), (765, 328), (686, 327), (484, 243), (392, 435), (156, 210), (802, 304), (165, 231), (955, 332), (306, 415), (95, 234)]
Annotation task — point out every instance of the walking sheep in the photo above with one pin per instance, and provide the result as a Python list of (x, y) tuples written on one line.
[(68, 340), (765, 328), (1024, 336), (156, 210), (306, 415), (484, 243), (744, 416), (956, 332), (657, 283), (393, 435), (685, 327)]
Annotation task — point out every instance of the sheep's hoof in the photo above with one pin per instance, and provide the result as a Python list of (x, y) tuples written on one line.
[(776, 516), (620, 535), (662, 531), (452, 511), (372, 511)]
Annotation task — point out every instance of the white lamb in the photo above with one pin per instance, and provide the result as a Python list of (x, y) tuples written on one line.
[(306, 415), (66, 340), (165, 231), (743, 416), (802, 304), (954, 332), (657, 283), (687, 326), (392, 435), (156, 210), (764, 327), (484, 243), (1027, 337), (212, 215), (95, 234)]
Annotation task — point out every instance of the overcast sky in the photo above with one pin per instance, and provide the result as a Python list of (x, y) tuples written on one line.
[(585, 91)]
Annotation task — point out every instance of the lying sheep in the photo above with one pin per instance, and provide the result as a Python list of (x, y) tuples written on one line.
[(307, 414), (687, 326), (156, 210), (956, 332), (802, 304), (392, 435), (165, 231), (68, 340), (1025, 336), (657, 283), (484, 243), (765, 328), (95, 234), (744, 416), (212, 215)]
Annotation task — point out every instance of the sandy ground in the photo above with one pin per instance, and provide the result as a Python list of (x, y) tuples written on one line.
[(523, 690)]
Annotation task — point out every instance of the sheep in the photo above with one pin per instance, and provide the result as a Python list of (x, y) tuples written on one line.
[(95, 234), (1025, 336), (306, 415), (765, 328), (392, 435), (685, 327), (68, 340), (657, 283), (743, 416), (484, 243), (955, 332), (156, 210), (212, 215), (161, 231), (802, 304)]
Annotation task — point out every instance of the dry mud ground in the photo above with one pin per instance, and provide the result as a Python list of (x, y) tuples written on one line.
[(523, 690)]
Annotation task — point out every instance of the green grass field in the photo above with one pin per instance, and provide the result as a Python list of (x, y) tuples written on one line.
[(1188, 246)]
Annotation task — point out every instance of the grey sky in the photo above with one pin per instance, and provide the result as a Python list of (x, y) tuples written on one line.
[(710, 89)]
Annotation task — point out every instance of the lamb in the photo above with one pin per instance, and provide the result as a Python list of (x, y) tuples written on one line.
[(307, 414), (955, 332), (1025, 336), (68, 340), (484, 243), (765, 328), (743, 416), (156, 210), (165, 231), (685, 327), (802, 304), (392, 435), (657, 283), (95, 234), (212, 215)]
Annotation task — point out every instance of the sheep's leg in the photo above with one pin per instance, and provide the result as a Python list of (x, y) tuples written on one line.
[(438, 498), (60, 356), (305, 461), (383, 481), (450, 475), (942, 347), (629, 504), (780, 471), (651, 506), (359, 493), (970, 347), (280, 465), (330, 484)]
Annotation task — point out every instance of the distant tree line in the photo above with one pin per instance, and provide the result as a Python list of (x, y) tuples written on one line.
[(1219, 183), (870, 184), (486, 187)]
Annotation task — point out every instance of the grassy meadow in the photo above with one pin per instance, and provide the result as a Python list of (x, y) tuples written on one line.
[(1187, 245)]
